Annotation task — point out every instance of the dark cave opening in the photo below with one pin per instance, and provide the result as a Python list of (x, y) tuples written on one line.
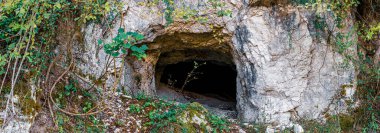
[(214, 81)]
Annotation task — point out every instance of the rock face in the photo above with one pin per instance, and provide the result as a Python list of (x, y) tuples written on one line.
[(284, 72), (285, 69)]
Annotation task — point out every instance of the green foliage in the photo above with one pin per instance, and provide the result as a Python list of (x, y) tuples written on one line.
[(303, 2), (335, 124), (87, 106), (312, 126), (135, 108), (168, 14), (94, 10), (167, 116), (346, 122), (28, 30), (72, 97), (27, 25), (124, 43), (3, 62), (218, 123), (185, 12), (159, 119), (369, 72), (142, 96), (373, 30), (69, 124), (219, 6), (70, 89), (225, 13)]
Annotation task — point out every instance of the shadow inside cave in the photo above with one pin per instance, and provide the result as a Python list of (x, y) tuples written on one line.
[(210, 83)]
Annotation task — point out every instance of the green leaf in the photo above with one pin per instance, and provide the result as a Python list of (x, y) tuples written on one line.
[(22, 11), (57, 5), (100, 41), (76, 19), (121, 30), (144, 47), (123, 51), (11, 46), (139, 37), (115, 54), (127, 45), (107, 51), (135, 48), (107, 7), (131, 33), (122, 36), (30, 59), (47, 15)]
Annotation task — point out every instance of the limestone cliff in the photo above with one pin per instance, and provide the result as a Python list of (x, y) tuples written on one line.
[(286, 69)]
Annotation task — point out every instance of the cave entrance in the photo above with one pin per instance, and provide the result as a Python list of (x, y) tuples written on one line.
[(210, 80)]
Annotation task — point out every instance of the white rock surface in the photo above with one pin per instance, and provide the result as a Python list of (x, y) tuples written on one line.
[(18, 122), (269, 129), (298, 128), (17, 126)]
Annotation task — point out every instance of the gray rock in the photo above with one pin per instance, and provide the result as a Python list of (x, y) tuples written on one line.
[(269, 129), (284, 71), (298, 129)]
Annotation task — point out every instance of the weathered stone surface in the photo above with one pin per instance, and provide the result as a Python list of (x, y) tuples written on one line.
[(285, 72), (298, 129)]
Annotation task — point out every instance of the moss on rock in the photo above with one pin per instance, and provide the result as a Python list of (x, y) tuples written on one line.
[(193, 118), (346, 122)]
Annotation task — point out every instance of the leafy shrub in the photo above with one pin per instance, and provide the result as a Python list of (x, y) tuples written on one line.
[(123, 43)]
